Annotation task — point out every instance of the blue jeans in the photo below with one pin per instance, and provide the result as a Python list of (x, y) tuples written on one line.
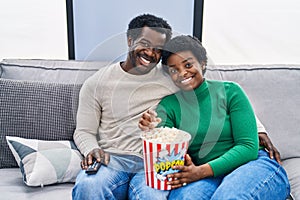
[(262, 178), (123, 178)]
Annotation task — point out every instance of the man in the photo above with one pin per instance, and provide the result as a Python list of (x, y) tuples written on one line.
[(111, 103)]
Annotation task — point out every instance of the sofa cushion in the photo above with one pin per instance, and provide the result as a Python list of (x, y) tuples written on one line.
[(59, 71), (35, 110), (275, 95), (12, 187), (292, 169), (45, 162)]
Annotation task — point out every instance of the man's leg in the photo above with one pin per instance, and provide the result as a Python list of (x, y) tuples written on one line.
[(139, 190), (106, 184), (262, 178)]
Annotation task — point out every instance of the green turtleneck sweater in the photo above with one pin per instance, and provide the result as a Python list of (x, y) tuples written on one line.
[(221, 121)]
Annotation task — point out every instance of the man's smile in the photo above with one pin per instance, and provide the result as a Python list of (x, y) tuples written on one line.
[(145, 60)]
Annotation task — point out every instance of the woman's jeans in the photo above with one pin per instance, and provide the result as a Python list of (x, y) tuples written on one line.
[(261, 179), (123, 178)]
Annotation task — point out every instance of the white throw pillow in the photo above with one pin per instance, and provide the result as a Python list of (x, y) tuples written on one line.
[(45, 162)]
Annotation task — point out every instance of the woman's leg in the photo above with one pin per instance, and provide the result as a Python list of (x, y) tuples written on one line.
[(202, 189), (106, 184), (262, 178)]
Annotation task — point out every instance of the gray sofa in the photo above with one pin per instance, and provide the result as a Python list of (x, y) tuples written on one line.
[(38, 100)]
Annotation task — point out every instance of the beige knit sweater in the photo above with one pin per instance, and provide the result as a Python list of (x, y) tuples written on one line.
[(110, 105)]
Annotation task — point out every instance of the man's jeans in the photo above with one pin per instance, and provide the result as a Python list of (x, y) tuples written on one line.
[(123, 178), (259, 179)]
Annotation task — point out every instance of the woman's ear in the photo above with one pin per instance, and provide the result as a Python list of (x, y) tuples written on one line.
[(203, 67)]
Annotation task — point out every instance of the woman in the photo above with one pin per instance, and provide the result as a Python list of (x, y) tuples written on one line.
[(224, 160)]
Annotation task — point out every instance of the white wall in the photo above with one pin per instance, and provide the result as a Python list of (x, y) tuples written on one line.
[(252, 31), (33, 29), (100, 26)]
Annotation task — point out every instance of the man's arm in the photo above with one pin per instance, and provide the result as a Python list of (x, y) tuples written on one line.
[(149, 117), (265, 141), (88, 119)]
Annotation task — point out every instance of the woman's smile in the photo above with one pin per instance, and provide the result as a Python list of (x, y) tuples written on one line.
[(186, 80)]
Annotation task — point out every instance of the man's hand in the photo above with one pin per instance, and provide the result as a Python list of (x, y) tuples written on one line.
[(149, 120), (265, 141), (96, 154)]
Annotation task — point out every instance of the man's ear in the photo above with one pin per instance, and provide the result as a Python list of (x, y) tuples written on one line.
[(129, 41)]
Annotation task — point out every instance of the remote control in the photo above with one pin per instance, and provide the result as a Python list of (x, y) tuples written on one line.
[(93, 168)]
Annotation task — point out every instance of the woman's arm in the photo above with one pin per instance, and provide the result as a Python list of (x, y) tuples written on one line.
[(243, 130)]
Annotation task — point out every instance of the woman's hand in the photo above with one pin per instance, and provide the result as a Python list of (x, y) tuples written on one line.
[(149, 120), (96, 154), (265, 141), (188, 173)]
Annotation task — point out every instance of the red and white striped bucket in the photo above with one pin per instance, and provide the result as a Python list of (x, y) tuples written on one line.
[(159, 159)]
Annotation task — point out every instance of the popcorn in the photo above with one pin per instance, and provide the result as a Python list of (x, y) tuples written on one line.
[(164, 135)]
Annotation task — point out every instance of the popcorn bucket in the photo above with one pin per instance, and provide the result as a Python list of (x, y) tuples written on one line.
[(160, 154)]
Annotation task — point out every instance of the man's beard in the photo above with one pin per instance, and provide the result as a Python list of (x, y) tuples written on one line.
[(133, 59)]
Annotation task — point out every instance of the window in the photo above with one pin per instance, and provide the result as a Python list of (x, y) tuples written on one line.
[(33, 29)]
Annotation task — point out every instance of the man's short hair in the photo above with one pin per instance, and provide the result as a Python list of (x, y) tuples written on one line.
[(155, 23)]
